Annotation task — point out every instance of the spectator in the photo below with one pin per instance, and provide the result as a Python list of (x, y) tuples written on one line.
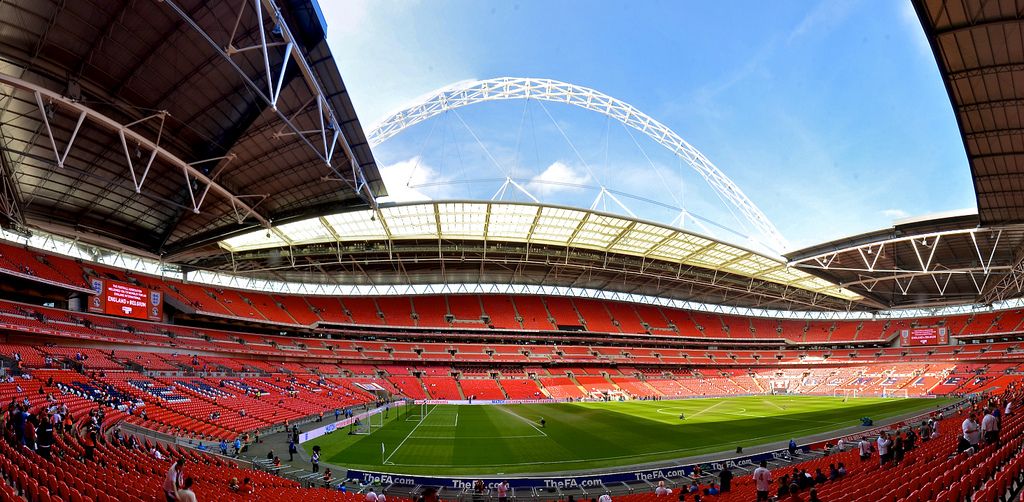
[(990, 427), (884, 448), (174, 480), (662, 490), (794, 493), (783, 487), (233, 485), (44, 437), (604, 498), (762, 481), (833, 473), (224, 449), (315, 459), (725, 479), (813, 496), (503, 491), (246, 487), (792, 447), (898, 447), (185, 494), (971, 434), (328, 477), (712, 490), (292, 450), (819, 477), (842, 469), (865, 449)]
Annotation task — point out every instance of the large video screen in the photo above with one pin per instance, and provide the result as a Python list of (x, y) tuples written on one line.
[(126, 300), (923, 336)]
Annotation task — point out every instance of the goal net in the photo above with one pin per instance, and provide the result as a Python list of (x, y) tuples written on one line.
[(846, 393), (895, 393), (414, 412), (370, 423)]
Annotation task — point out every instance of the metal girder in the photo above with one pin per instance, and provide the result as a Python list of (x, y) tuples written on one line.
[(86, 114), (509, 88), (1010, 285), (327, 133)]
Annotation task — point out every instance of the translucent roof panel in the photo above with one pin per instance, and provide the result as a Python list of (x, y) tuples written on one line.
[(253, 240), (462, 219), (556, 225), (599, 231), (306, 231), (511, 221), (519, 222), (356, 226), (411, 222)]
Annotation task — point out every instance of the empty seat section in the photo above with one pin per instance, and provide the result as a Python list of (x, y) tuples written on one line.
[(297, 309), (533, 313), (465, 307), (329, 309), (442, 387), (361, 310), (501, 311), (625, 314), (521, 388), (397, 310), (562, 311), (681, 319), (431, 310), (595, 315), (268, 307), (712, 325), (481, 388), (652, 316), (561, 387)]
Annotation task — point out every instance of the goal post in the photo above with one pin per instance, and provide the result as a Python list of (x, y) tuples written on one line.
[(895, 393), (415, 411), (846, 393)]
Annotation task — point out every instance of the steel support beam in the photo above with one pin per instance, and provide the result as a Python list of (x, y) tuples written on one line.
[(123, 131)]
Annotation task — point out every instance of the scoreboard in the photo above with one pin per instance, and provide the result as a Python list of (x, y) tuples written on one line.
[(924, 336), (125, 300)]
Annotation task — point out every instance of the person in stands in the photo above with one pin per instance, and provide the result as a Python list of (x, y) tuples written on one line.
[(971, 434), (725, 479), (884, 448), (604, 498), (865, 448), (794, 493), (662, 490), (174, 480), (185, 494), (503, 491), (990, 427), (328, 477), (314, 459), (292, 450), (762, 481), (812, 496), (371, 496)]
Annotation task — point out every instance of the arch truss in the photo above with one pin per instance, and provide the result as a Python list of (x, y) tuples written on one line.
[(514, 88)]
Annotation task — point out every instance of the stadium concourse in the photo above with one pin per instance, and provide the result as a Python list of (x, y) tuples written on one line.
[(197, 266)]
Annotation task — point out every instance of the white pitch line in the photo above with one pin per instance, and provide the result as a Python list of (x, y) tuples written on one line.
[(407, 436), (520, 417), (773, 404), (709, 408)]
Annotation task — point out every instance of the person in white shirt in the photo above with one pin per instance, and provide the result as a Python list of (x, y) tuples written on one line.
[(971, 433), (1009, 404), (884, 452), (173, 480), (762, 481), (990, 427), (605, 498), (662, 490), (185, 494), (503, 491), (865, 449), (371, 496), (381, 498)]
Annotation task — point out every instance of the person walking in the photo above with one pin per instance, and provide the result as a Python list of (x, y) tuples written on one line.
[(292, 450)]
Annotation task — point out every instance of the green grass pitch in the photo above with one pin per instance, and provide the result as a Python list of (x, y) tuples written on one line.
[(461, 440)]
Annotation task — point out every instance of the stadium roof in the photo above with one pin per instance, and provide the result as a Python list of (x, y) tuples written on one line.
[(924, 262), (163, 125), (501, 227)]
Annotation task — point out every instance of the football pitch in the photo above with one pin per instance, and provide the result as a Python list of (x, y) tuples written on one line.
[(507, 439)]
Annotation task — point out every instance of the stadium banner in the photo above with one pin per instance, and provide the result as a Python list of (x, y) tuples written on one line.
[(125, 300), (923, 336), (485, 401), (568, 481), (341, 424)]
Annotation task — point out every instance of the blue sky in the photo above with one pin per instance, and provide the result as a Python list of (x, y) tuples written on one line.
[(830, 116)]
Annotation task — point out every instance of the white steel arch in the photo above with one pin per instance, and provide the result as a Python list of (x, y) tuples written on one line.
[(509, 88)]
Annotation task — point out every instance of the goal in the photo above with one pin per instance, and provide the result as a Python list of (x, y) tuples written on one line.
[(370, 423), (895, 393), (415, 412), (846, 393)]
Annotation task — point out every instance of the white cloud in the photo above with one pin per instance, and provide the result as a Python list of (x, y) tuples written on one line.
[(895, 214), (406, 179), (557, 177)]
